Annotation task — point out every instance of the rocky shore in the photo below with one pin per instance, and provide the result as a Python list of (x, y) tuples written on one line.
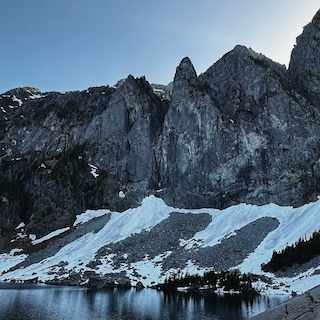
[(303, 307)]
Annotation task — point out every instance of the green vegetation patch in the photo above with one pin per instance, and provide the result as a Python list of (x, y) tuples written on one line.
[(298, 253), (227, 280)]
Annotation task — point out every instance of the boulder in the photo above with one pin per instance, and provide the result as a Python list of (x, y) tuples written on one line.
[(302, 307)]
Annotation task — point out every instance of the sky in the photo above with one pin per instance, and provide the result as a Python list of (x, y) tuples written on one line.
[(65, 45)]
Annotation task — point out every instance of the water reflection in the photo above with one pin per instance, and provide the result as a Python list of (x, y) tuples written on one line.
[(58, 303)]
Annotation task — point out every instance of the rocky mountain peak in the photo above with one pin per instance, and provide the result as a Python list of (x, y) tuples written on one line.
[(240, 50), (23, 90), (304, 68), (185, 73), (241, 79), (241, 58), (132, 84)]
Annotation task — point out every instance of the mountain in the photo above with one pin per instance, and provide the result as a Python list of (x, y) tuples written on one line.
[(236, 133), (245, 131)]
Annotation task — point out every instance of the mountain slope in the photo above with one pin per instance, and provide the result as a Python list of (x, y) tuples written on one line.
[(149, 242), (234, 135)]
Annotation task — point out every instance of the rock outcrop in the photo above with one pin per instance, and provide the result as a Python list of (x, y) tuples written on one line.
[(246, 130), (303, 307), (235, 134), (64, 152), (304, 68)]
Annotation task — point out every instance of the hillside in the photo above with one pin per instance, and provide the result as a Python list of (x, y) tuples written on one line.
[(154, 240)]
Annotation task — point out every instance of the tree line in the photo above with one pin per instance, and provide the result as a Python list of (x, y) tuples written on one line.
[(300, 252), (226, 280)]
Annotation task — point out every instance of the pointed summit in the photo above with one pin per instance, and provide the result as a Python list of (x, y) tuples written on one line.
[(185, 77), (185, 72), (304, 68)]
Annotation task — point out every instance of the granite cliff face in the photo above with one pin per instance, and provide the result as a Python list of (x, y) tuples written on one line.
[(246, 130), (304, 68), (63, 153), (239, 133)]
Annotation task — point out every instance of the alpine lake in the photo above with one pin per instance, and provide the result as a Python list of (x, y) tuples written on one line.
[(43, 302)]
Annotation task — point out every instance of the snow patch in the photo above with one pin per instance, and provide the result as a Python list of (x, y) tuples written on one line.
[(14, 98), (14, 251), (121, 225), (9, 260), (50, 235), (36, 96), (150, 271), (20, 226), (89, 215), (122, 194), (94, 170), (190, 243), (294, 224)]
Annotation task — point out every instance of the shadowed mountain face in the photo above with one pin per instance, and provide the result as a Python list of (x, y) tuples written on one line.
[(246, 130), (304, 68)]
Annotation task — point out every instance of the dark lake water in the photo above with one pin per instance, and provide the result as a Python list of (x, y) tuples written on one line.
[(33, 302)]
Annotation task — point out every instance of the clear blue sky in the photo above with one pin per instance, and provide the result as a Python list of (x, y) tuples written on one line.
[(63, 45)]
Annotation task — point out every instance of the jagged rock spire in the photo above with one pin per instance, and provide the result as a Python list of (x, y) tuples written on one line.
[(185, 74), (185, 70)]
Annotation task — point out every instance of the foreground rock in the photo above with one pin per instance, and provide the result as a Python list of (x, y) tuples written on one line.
[(303, 307)]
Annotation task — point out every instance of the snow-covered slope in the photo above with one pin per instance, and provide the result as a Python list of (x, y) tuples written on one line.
[(78, 252)]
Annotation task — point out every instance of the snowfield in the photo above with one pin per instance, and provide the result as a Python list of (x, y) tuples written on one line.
[(48, 236), (294, 224)]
